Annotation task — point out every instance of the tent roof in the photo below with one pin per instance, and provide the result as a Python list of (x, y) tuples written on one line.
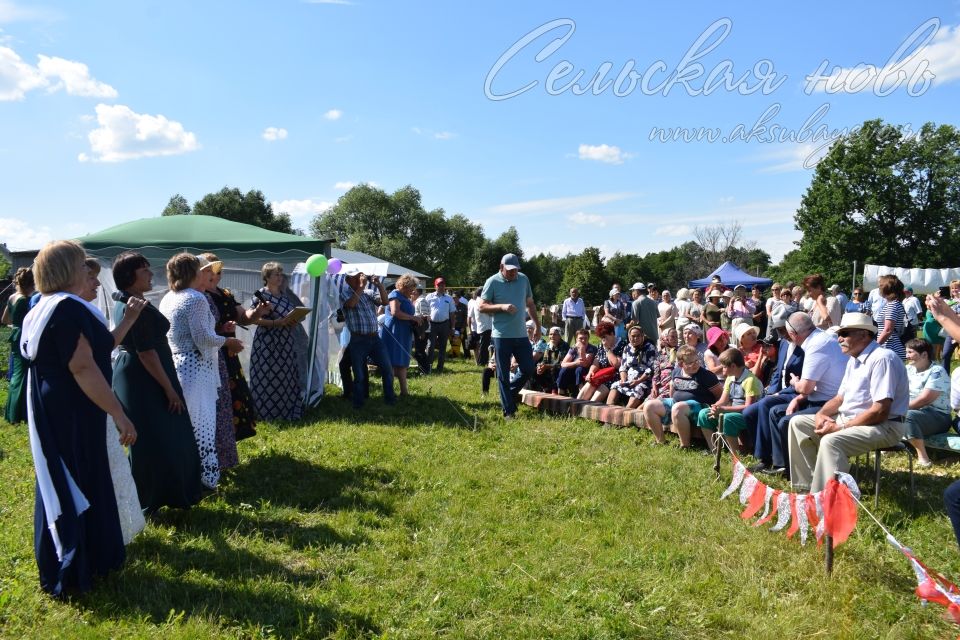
[(355, 257), (158, 238), (731, 275)]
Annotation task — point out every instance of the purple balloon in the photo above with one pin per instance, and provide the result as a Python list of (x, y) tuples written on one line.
[(334, 266)]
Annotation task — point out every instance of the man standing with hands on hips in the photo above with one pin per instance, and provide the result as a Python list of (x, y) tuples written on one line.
[(442, 311), (505, 294)]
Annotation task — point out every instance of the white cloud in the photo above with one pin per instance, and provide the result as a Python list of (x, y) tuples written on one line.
[(126, 135), (272, 134), (416, 130), (333, 114), (603, 153), (18, 77), (789, 157), (11, 12), (301, 208), (343, 139), (344, 185), (939, 59), (445, 135), (551, 205), (727, 200), (74, 77), (588, 219), (19, 235), (673, 230)]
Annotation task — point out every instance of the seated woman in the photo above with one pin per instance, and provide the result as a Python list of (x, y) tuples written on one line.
[(576, 364), (717, 342), (757, 356), (636, 370), (693, 336), (604, 368), (929, 412), (692, 388), (664, 365)]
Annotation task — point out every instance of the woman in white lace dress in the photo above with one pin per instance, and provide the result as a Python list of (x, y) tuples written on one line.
[(125, 490), (195, 345)]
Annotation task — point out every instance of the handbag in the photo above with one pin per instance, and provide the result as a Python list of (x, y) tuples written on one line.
[(603, 376)]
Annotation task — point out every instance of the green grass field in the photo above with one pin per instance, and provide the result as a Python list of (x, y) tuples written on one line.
[(437, 519)]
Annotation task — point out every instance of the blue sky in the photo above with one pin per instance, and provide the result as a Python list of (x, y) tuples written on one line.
[(109, 108)]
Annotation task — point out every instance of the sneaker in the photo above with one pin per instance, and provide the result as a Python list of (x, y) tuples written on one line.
[(774, 471), (510, 417), (926, 464), (760, 467)]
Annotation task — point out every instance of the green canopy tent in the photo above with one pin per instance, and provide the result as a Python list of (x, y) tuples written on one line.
[(161, 237), (244, 249)]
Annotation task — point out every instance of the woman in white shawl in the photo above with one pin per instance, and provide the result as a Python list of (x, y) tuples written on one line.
[(77, 533), (195, 345)]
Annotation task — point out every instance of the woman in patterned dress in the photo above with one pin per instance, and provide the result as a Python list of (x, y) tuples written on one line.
[(17, 306), (609, 354), (196, 347), (636, 370), (274, 377), (229, 314)]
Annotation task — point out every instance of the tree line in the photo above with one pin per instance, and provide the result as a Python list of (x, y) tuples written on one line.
[(882, 194)]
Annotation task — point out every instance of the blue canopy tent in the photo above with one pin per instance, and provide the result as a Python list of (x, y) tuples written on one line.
[(731, 275)]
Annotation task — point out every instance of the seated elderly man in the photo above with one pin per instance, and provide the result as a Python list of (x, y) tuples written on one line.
[(866, 414)]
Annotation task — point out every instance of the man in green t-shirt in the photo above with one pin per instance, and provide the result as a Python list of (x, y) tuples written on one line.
[(504, 295)]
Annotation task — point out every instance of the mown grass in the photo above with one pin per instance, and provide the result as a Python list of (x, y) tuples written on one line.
[(437, 519)]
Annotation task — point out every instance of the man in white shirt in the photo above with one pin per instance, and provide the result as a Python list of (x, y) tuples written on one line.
[(481, 326), (913, 310), (573, 313), (867, 412), (442, 311)]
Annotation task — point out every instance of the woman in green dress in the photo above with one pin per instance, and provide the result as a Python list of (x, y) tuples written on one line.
[(16, 310), (164, 460)]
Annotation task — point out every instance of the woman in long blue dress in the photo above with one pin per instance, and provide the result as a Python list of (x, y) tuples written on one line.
[(397, 331), (77, 532), (274, 376), (17, 306)]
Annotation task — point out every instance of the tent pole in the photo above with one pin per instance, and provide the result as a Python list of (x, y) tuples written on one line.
[(312, 342)]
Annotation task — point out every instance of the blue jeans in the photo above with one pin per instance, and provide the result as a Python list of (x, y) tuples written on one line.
[(519, 349), (757, 416), (362, 347)]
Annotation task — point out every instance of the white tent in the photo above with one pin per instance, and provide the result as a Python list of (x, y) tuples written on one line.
[(922, 280)]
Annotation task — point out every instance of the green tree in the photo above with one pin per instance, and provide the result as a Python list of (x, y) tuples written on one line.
[(396, 227), (546, 273), (177, 206), (487, 257), (249, 208), (587, 273), (627, 268), (883, 197)]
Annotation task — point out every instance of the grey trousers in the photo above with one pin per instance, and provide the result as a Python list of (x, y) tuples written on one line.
[(570, 328), (439, 333), (814, 459)]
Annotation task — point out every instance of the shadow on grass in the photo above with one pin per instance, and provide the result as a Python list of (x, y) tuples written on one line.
[(166, 581), (283, 480), (895, 488), (412, 411)]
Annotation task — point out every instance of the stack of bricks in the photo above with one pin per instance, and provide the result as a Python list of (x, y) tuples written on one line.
[(564, 406)]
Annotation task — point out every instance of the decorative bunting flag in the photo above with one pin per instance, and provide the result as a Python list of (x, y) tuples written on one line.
[(931, 586), (830, 512)]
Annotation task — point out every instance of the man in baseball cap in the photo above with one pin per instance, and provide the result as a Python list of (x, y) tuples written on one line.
[(507, 295)]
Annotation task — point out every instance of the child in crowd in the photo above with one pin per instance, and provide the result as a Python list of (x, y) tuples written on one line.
[(740, 389)]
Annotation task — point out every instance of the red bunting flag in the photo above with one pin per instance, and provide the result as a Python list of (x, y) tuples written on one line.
[(839, 512)]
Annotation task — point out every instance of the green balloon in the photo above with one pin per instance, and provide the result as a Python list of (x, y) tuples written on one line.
[(317, 265)]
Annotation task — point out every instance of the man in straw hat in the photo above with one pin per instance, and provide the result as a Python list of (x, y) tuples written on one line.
[(867, 412)]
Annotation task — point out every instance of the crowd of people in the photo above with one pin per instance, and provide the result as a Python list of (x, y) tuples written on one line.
[(803, 378), (165, 382)]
